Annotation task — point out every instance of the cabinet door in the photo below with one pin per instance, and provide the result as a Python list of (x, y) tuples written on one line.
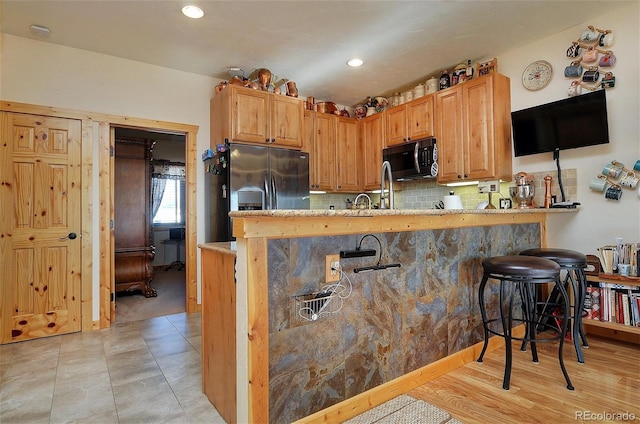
[(449, 133), (287, 116), (324, 154), (478, 132), (347, 152), (250, 116), (372, 130), (420, 117), (396, 125)]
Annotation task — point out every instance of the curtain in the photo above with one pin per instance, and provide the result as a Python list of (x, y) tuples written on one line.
[(162, 170)]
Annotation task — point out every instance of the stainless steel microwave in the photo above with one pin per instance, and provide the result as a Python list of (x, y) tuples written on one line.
[(415, 160)]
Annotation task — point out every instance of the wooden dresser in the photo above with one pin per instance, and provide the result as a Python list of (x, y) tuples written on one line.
[(132, 227)]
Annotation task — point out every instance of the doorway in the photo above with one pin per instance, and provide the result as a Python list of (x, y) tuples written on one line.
[(161, 201)]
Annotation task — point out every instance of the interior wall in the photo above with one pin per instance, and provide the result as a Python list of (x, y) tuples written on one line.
[(46, 74), (599, 220)]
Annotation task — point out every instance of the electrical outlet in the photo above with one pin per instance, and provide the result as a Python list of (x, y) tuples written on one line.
[(489, 186), (332, 264)]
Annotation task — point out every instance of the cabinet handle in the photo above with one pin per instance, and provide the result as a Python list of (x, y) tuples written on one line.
[(465, 175), (266, 140), (273, 140), (459, 176)]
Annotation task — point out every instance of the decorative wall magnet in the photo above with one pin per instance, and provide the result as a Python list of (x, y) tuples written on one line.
[(608, 60), (608, 81), (573, 70)]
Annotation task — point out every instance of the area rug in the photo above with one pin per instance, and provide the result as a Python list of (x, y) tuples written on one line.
[(404, 410)]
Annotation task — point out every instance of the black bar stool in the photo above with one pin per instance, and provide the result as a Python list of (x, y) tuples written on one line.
[(574, 264), (519, 277)]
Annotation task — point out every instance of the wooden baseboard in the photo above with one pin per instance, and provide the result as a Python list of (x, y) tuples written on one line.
[(358, 404)]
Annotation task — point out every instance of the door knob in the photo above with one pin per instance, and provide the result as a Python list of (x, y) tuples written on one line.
[(70, 236)]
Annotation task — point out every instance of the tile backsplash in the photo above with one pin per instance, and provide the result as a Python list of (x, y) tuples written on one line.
[(426, 194)]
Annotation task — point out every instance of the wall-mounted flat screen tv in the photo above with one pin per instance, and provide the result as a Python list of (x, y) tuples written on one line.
[(565, 124)]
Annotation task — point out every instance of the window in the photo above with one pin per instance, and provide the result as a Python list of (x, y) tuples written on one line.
[(171, 210), (167, 192)]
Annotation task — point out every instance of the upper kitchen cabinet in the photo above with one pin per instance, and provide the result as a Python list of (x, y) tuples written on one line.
[(335, 156), (347, 155), (322, 175), (371, 145), (244, 115), (473, 129), (410, 121)]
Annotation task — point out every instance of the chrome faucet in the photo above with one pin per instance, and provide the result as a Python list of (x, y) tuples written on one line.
[(366, 196), (386, 172)]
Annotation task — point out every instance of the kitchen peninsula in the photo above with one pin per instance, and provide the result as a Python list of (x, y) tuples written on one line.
[(388, 334)]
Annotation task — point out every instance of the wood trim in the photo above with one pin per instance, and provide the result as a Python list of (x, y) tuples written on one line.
[(86, 217), (106, 245), (307, 226), (191, 227), (362, 402), (258, 330)]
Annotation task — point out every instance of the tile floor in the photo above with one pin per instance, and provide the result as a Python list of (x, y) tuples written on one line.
[(138, 372)]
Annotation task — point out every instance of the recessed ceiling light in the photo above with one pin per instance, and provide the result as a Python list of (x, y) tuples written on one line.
[(355, 62), (192, 12)]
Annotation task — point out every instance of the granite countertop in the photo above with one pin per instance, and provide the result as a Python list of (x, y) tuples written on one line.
[(225, 247), (390, 212)]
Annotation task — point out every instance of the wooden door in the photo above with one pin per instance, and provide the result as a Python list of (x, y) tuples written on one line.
[(371, 147), (348, 155), (324, 153), (249, 115), (396, 126), (478, 132), (40, 170), (287, 121), (449, 133), (420, 117)]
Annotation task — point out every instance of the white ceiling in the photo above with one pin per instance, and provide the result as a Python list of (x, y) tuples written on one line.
[(309, 42)]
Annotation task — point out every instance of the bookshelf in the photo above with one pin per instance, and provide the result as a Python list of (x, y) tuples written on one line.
[(613, 330)]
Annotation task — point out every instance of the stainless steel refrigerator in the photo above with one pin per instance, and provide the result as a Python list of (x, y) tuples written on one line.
[(250, 177)]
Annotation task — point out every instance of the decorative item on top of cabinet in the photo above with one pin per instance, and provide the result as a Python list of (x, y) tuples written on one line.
[(473, 129), (487, 67), (244, 115), (592, 61)]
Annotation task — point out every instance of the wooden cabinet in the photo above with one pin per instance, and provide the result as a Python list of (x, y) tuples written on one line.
[(410, 121), (132, 212), (219, 331), (322, 166), (613, 330), (347, 155), (334, 164), (244, 115), (371, 145), (473, 129)]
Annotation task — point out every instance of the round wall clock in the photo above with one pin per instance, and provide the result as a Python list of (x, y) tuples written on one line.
[(536, 75)]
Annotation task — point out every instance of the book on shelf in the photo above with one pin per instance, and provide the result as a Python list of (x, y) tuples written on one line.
[(615, 303)]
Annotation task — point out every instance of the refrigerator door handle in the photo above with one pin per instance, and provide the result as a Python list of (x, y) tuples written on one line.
[(267, 195), (274, 193)]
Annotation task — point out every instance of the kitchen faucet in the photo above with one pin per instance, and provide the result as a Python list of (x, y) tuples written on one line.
[(386, 172), (366, 196)]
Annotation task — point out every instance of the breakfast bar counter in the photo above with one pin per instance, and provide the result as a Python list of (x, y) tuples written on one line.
[(398, 328)]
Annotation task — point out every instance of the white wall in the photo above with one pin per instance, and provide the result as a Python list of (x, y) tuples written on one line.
[(599, 220), (45, 74)]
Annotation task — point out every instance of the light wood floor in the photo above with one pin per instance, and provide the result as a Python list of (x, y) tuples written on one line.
[(608, 382)]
